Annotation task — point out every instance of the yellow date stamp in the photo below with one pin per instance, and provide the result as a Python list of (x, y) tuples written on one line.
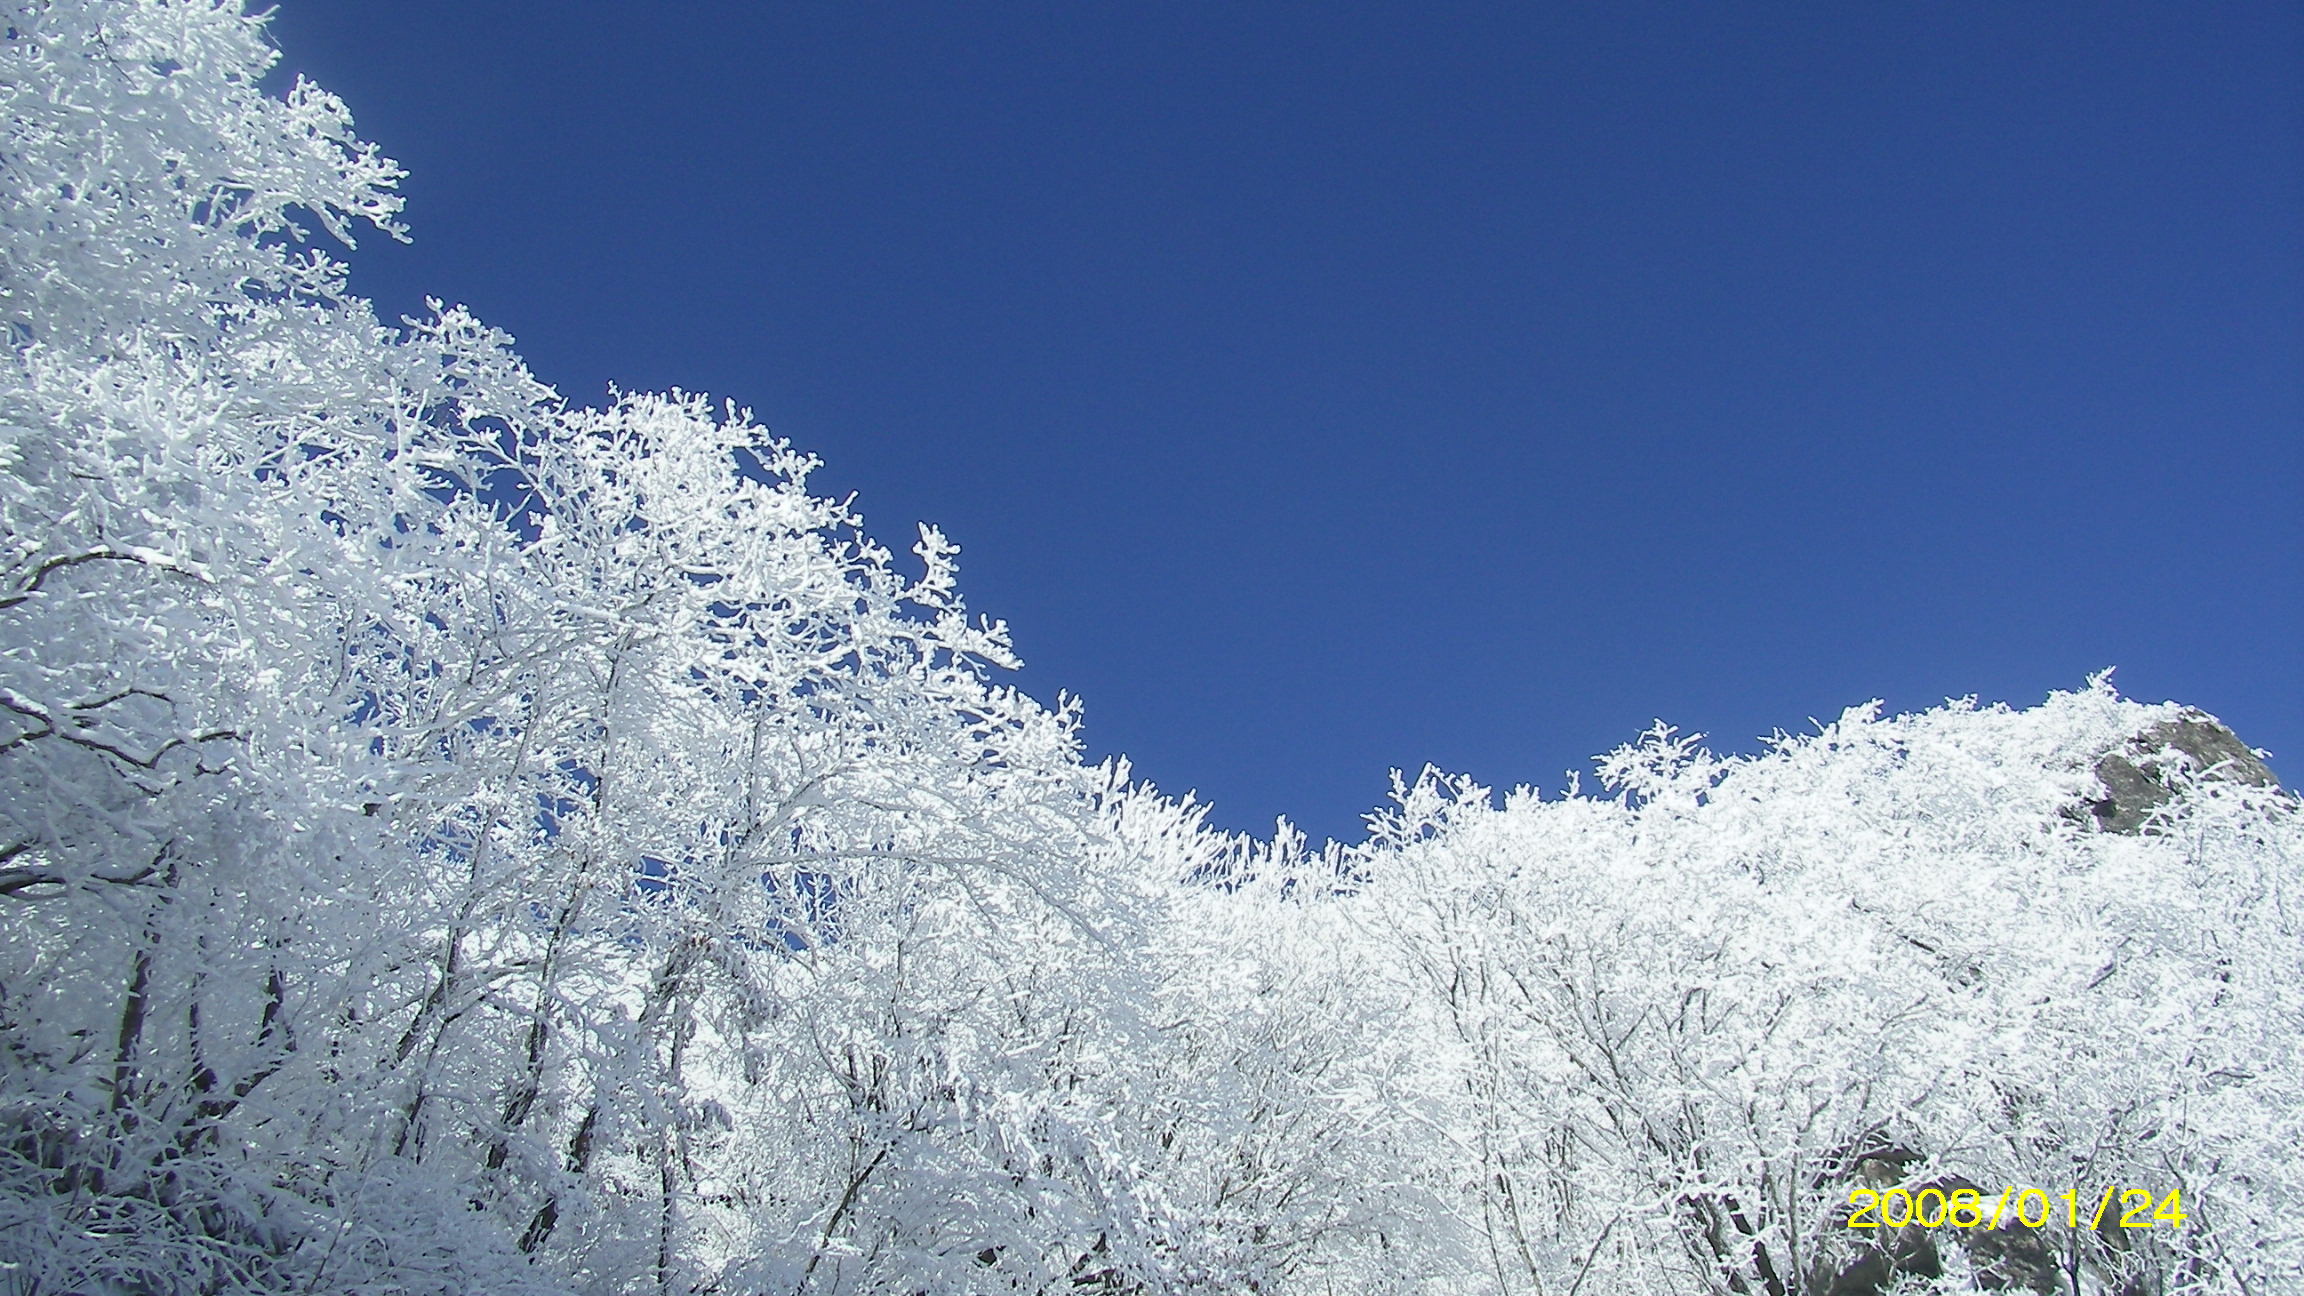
[(2031, 1207)]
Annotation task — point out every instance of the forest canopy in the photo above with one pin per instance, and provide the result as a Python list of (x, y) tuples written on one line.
[(455, 840)]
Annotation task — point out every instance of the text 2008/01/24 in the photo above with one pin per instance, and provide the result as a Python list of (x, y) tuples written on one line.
[(2031, 1207)]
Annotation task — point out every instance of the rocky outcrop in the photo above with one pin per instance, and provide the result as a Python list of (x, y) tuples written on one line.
[(2137, 780), (2008, 1258)]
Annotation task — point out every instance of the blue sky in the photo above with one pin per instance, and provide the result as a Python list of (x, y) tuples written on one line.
[(1323, 389)]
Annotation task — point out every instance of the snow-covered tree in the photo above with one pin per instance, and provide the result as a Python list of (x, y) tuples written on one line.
[(453, 838), (1683, 1024)]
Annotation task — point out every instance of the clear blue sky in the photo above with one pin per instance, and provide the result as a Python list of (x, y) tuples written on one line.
[(1318, 389)]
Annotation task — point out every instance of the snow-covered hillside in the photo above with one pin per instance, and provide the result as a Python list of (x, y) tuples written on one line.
[(456, 842)]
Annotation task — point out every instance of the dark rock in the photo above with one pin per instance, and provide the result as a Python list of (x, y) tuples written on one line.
[(2135, 780), (1872, 1266), (2012, 1257), (1868, 1273), (1869, 1263), (2009, 1258)]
